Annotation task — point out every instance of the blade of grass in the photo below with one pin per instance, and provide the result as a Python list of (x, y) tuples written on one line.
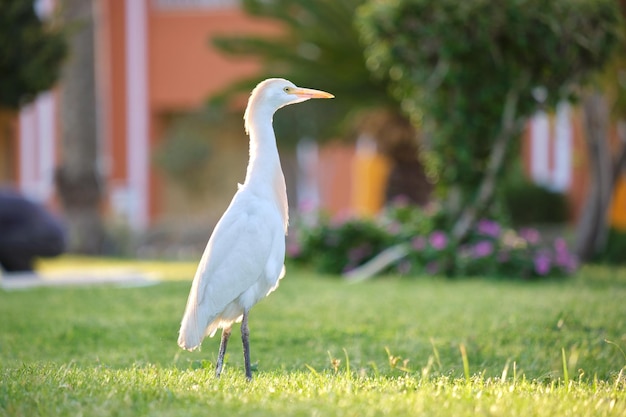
[(505, 371), (436, 353), (466, 370), (617, 346), (313, 371), (565, 370), (348, 372)]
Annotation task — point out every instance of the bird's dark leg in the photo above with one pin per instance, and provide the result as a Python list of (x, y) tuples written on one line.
[(245, 338), (220, 356)]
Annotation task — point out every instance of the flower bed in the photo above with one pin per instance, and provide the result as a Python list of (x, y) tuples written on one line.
[(339, 245)]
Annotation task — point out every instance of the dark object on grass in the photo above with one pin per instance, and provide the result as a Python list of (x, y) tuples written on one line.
[(27, 231)]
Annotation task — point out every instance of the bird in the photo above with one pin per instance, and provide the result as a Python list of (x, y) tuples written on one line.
[(244, 258)]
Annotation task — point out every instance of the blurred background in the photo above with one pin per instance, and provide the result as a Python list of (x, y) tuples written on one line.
[(124, 117)]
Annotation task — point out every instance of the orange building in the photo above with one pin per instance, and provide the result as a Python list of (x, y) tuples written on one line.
[(156, 60), (153, 59)]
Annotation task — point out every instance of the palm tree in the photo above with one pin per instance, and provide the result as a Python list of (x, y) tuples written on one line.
[(77, 178)]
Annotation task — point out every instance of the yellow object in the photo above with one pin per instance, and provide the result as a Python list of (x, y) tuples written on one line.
[(370, 172), (618, 207)]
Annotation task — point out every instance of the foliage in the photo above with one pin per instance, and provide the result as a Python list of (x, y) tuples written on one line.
[(385, 347), (463, 68), (612, 81), (615, 248), (317, 47), (405, 220), (31, 53), (491, 249), (528, 203), (337, 246)]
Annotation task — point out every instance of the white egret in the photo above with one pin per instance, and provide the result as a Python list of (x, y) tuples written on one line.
[(244, 258)]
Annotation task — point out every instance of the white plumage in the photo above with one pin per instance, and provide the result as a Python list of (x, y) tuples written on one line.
[(244, 258)]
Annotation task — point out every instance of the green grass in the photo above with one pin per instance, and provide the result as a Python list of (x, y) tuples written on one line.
[(322, 347)]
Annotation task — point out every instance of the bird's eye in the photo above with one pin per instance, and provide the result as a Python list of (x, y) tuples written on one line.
[(287, 89)]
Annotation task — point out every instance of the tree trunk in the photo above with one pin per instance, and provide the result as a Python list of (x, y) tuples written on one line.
[(78, 179), (407, 179), (592, 228), (591, 223), (397, 139), (509, 128)]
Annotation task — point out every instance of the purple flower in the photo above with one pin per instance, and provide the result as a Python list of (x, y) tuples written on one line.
[(572, 264), (394, 228), (293, 249), (482, 249), (438, 240), (418, 243), (355, 255), (542, 263), (432, 267), (560, 246), (488, 228), (563, 257), (530, 235), (401, 201)]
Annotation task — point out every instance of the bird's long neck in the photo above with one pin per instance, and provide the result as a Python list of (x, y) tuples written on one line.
[(264, 161), (264, 174)]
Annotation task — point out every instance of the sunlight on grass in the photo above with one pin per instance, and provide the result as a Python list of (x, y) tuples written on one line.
[(156, 391), (160, 270), (320, 347)]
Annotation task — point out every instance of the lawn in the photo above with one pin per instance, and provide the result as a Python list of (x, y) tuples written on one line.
[(323, 347)]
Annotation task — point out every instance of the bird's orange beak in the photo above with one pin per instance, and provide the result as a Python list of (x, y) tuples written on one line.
[(310, 93)]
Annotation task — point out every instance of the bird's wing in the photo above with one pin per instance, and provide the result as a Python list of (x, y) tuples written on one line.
[(239, 252)]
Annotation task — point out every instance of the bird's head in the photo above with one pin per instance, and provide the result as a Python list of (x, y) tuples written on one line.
[(279, 92), (274, 93)]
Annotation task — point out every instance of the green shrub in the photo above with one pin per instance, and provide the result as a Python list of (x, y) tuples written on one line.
[(615, 250), (333, 246), (491, 249), (527, 203)]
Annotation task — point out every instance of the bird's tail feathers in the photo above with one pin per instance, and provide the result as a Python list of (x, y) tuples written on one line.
[(190, 336), (193, 325)]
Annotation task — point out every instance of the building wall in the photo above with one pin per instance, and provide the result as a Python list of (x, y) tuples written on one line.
[(157, 60)]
